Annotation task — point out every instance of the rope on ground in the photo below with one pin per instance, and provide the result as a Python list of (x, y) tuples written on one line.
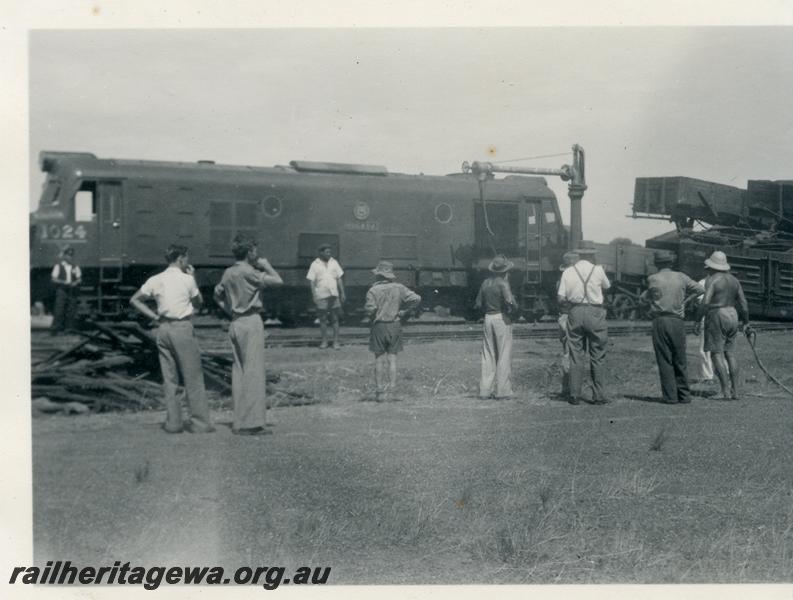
[(751, 337)]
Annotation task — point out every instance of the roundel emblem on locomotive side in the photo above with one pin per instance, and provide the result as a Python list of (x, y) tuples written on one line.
[(272, 206), (443, 213), (361, 211)]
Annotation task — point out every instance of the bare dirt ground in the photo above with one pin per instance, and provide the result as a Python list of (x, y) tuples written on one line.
[(441, 487)]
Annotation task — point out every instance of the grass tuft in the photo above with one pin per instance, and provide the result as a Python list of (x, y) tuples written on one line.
[(660, 439), (142, 472)]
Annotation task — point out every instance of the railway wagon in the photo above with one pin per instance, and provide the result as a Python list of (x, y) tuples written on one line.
[(752, 226), (766, 274), (120, 215)]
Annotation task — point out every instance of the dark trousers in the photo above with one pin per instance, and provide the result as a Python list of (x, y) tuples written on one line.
[(65, 310), (587, 334), (669, 343)]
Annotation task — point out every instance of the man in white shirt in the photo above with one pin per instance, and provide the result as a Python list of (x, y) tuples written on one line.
[(581, 288), (327, 289), (176, 295), (66, 277)]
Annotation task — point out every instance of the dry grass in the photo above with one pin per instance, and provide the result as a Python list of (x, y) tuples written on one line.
[(440, 487)]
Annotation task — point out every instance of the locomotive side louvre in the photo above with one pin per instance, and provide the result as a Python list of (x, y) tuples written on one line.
[(120, 215)]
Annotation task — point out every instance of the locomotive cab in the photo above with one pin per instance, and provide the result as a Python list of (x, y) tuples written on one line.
[(84, 210), (530, 233)]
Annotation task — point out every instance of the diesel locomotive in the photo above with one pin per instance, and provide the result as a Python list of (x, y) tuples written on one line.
[(439, 231)]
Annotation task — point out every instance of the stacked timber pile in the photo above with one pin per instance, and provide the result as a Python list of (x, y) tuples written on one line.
[(116, 367)]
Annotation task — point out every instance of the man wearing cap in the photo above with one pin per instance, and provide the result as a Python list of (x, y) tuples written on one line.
[(66, 277), (177, 297), (327, 289), (388, 303), (666, 293), (581, 288), (496, 300), (568, 260), (726, 312), (239, 294)]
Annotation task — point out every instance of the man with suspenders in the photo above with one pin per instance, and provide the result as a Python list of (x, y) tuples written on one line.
[(581, 288)]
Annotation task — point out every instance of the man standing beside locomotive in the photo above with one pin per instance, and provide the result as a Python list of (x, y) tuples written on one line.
[(667, 291), (327, 288), (581, 288), (387, 304), (66, 276), (496, 300), (726, 312), (239, 294), (177, 297)]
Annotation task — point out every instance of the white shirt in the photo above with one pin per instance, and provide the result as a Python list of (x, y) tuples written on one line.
[(324, 278), (571, 286), (173, 291), (71, 271)]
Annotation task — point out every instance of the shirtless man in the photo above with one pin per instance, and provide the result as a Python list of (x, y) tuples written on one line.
[(726, 312)]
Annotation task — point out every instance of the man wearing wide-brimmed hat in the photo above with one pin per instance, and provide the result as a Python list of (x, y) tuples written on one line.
[(66, 277), (496, 300), (667, 292), (388, 302), (726, 312), (581, 289)]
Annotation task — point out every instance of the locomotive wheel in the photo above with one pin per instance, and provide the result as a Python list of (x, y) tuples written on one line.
[(622, 308)]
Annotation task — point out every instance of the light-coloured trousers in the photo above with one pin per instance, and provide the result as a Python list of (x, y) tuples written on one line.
[(705, 363), (248, 382), (180, 358), (496, 357)]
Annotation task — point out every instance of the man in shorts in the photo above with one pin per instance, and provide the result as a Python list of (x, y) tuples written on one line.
[(388, 303), (726, 312), (327, 289)]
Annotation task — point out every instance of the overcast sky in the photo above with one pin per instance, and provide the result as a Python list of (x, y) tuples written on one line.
[(711, 103)]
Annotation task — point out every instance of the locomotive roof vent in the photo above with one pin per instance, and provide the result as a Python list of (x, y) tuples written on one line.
[(308, 166)]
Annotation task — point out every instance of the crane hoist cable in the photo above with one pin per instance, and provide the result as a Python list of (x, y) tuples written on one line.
[(751, 337), (481, 182)]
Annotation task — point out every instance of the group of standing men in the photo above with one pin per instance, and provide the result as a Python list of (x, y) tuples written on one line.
[(723, 311), (239, 295)]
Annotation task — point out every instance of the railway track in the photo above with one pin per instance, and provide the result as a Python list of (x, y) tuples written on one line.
[(474, 333), (213, 338)]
